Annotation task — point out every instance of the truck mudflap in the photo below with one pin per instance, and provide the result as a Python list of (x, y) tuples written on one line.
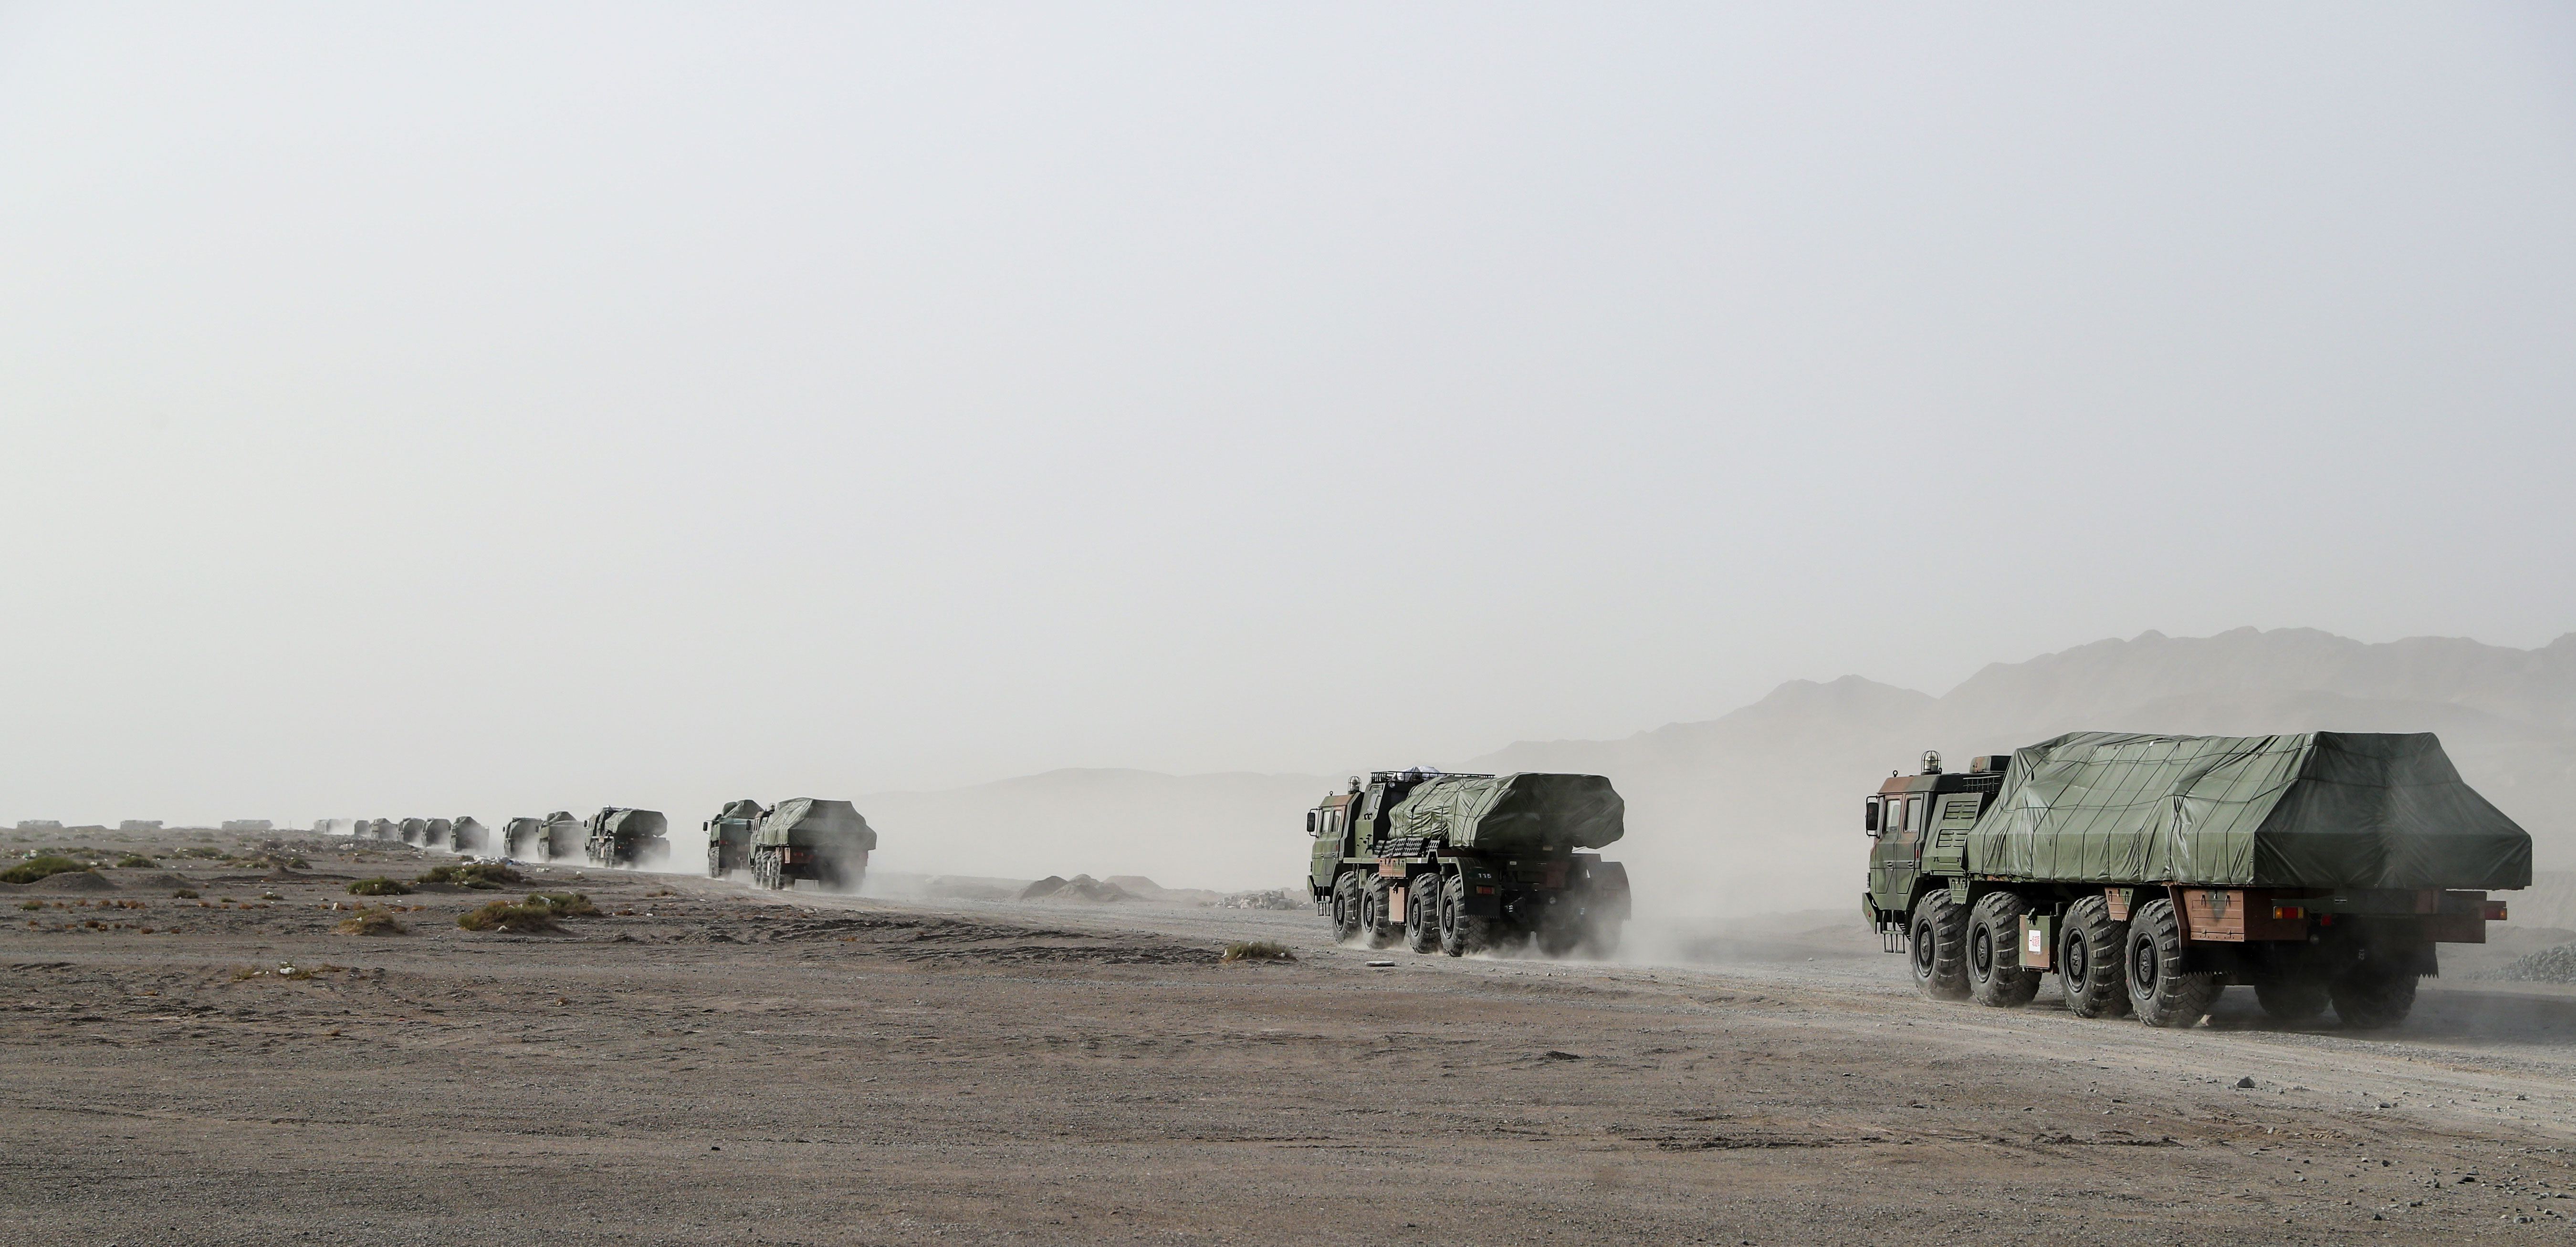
[(1484, 890)]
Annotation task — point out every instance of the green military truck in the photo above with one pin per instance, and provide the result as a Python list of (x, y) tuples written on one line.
[(1469, 863), (636, 839), (2149, 872), (469, 838), (808, 838), (524, 839), (729, 836)]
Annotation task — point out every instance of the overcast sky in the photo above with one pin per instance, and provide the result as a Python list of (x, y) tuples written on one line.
[(496, 409)]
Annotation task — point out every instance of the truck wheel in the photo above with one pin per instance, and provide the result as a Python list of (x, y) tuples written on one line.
[(1461, 933), (2088, 960), (1937, 951), (2371, 995), (1377, 930), (1422, 914), (1346, 907), (715, 862), (1995, 976), (2290, 996), (2165, 994)]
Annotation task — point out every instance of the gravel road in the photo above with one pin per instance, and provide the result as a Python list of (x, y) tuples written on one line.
[(714, 1065)]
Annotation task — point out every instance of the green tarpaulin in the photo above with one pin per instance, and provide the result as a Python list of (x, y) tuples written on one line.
[(1527, 811), (806, 822), (2319, 809)]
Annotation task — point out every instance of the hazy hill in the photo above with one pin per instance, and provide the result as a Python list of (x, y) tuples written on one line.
[(1761, 808)]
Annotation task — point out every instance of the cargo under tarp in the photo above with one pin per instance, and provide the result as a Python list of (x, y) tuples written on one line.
[(629, 825), (806, 822), (1526, 811), (2314, 810)]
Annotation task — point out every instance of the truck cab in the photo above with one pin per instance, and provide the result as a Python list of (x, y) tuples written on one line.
[(1919, 822)]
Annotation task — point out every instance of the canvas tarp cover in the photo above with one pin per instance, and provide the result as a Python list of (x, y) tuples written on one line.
[(1525, 811), (2319, 809), (626, 825), (806, 822)]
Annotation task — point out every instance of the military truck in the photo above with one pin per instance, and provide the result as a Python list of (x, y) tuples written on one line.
[(564, 835), (631, 838), (438, 833), (2149, 873), (806, 838), (524, 839), (729, 836), (1468, 863), (413, 830), (470, 838)]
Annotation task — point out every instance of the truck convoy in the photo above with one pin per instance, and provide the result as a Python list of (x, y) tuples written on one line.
[(1470, 863), (803, 838), (2149, 872), (631, 838)]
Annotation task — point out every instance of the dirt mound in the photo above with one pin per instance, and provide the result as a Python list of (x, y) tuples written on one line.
[(154, 880), (1145, 889), (2553, 965), (1078, 888), (71, 881)]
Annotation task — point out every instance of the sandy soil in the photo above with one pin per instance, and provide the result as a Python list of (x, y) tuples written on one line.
[(723, 1066)]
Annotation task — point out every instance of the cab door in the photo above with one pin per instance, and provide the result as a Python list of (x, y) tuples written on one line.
[(1328, 824)]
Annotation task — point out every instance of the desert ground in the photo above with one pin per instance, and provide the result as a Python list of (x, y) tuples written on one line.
[(703, 1063)]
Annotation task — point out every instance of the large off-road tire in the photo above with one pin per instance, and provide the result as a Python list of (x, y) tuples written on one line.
[(715, 861), (2373, 994), (1377, 928), (1995, 976), (1422, 914), (2089, 962), (2165, 994), (2290, 996), (1937, 951), (1346, 906), (1461, 933)]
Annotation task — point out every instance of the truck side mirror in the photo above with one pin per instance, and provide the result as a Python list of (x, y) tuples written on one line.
[(1311, 826), (1869, 817)]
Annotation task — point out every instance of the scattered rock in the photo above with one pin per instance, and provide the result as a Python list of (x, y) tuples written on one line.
[(2245, 1082)]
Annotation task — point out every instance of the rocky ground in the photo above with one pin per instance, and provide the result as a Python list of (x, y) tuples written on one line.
[(701, 1063)]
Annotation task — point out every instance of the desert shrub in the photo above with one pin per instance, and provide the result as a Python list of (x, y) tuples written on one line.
[(486, 875), (565, 904), (31, 904), (504, 916), (378, 886), (36, 868), (371, 922), (184, 894), (132, 860), (198, 851), (1258, 950)]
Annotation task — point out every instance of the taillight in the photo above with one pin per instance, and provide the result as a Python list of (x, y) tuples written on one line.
[(2492, 911), (2293, 913)]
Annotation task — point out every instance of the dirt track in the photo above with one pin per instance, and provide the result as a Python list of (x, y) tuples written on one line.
[(723, 1066)]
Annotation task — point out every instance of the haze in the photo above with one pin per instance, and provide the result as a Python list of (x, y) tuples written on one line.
[(508, 408)]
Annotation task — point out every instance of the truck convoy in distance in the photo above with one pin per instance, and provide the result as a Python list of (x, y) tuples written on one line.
[(2149, 872), (827, 842), (1470, 863), (622, 837)]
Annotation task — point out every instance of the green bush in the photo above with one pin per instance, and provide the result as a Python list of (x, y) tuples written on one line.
[(485, 875), (31, 904), (504, 916), (36, 868), (371, 922), (565, 904), (1258, 950), (184, 894), (132, 860), (379, 886)]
